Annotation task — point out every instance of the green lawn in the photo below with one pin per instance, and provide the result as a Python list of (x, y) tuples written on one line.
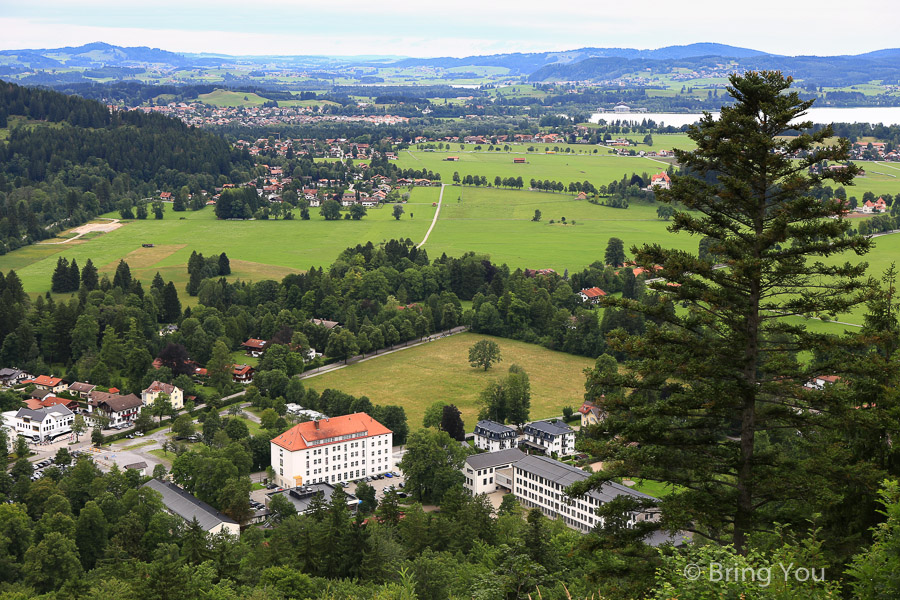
[(439, 370), (257, 249)]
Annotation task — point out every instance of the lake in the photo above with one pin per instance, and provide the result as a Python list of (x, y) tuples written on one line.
[(888, 115)]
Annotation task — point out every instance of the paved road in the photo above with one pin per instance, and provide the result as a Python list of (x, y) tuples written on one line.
[(436, 213)]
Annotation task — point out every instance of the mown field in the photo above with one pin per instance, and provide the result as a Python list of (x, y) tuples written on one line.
[(257, 249), (599, 169), (417, 377), (498, 223)]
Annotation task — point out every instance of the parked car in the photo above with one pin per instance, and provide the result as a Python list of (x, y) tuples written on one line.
[(139, 434), (388, 474)]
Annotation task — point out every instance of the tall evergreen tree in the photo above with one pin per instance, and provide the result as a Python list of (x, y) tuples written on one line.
[(170, 303), (59, 280), (224, 265), (714, 395), (122, 278), (74, 278), (89, 279)]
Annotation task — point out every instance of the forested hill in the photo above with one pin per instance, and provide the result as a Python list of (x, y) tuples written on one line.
[(69, 159), (813, 70)]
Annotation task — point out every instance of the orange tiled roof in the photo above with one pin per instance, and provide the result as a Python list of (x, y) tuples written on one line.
[(300, 436)]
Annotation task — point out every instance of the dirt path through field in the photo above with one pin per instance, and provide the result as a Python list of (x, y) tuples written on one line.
[(434, 220), (88, 228)]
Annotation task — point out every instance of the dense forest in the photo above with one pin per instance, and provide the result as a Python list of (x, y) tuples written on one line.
[(67, 159)]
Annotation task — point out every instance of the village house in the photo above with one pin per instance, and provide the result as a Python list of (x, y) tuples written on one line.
[(332, 450), (591, 413), (661, 181), (493, 436), (242, 374), (44, 382), (119, 410), (82, 390), (176, 395), (11, 377), (591, 295), (254, 347)]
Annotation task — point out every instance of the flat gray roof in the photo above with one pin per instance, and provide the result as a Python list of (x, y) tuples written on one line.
[(186, 506), (492, 459)]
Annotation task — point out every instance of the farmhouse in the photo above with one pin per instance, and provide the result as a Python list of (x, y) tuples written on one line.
[(180, 503), (176, 395), (493, 436), (242, 374), (452, 158), (254, 347), (591, 295), (480, 469), (519, 161), (332, 450)]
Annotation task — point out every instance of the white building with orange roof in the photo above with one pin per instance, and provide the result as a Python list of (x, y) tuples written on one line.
[(332, 450)]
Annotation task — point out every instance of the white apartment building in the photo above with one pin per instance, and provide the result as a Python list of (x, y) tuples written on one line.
[(332, 450), (540, 482), (493, 436), (176, 395), (480, 469), (44, 423), (550, 436)]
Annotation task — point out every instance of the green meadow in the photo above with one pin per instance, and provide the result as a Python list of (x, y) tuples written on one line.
[(599, 169), (257, 249), (417, 377), (498, 223)]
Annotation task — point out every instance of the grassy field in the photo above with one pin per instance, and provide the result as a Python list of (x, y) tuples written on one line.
[(472, 217), (439, 370), (599, 169), (257, 249), (245, 99)]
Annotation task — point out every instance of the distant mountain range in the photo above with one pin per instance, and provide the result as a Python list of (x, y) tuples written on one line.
[(583, 64)]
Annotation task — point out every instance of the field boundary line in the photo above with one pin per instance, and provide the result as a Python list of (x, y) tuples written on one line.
[(436, 213)]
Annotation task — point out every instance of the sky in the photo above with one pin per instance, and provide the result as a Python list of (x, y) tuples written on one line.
[(425, 28)]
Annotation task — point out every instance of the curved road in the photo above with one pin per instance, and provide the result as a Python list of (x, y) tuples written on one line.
[(436, 213)]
